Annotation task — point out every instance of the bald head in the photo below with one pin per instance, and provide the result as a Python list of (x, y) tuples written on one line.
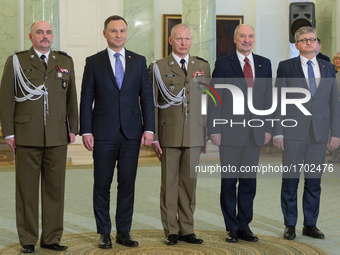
[(41, 36), (181, 27), (180, 40)]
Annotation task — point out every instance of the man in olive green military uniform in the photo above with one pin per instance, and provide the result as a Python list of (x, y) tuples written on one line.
[(39, 116), (179, 134)]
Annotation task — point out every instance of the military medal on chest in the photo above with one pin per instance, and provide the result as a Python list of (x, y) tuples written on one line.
[(64, 84), (60, 72)]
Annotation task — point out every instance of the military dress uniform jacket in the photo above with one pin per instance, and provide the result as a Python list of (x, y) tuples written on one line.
[(173, 129), (25, 119)]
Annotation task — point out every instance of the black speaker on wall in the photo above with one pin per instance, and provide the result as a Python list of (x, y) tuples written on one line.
[(300, 14)]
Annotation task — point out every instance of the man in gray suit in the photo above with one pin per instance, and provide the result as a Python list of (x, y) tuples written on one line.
[(175, 125), (306, 143)]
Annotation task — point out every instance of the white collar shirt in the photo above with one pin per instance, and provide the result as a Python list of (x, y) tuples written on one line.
[(316, 69), (241, 58), (113, 58), (178, 60)]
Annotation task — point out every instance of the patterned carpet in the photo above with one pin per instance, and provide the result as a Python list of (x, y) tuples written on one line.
[(152, 242)]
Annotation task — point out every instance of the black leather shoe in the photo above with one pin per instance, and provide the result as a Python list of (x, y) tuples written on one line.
[(313, 231), (27, 249), (126, 240), (54, 247), (289, 233), (171, 239), (247, 235), (105, 241), (191, 238), (231, 237)]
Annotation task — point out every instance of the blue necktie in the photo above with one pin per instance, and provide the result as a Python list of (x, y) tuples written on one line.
[(119, 71), (311, 78)]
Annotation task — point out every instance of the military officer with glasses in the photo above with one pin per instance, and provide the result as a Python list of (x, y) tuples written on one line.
[(304, 145)]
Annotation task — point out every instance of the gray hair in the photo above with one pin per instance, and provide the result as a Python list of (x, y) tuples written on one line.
[(303, 31), (236, 29)]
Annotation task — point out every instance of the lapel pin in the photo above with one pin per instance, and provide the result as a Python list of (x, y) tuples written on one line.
[(129, 56), (192, 62), (172, 63), (32, 56), (260, 65), (53, 56)]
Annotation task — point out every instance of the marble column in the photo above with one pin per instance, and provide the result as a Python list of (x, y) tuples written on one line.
[(140, 18), (200, 16), (323, 18), (335, 27), (8, 30), (35, 10)]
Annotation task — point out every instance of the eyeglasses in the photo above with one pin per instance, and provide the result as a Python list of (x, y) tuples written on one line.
[(305, 40)]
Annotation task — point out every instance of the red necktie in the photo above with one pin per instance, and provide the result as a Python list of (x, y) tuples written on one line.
[(248, 73)]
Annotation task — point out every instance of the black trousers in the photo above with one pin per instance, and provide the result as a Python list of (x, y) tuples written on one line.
[(106, 154), (237, 201), (311, 153)]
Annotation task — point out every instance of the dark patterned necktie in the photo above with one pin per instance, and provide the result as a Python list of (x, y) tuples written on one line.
[(43, 58), (183, 66)]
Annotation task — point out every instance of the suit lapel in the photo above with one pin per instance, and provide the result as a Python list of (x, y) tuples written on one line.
[(191, 67), (52, 62), (107, 65), (175, 67), (323, 75), (235, 62), (128, 68), (35, 60), (258, 66), (299, 71)]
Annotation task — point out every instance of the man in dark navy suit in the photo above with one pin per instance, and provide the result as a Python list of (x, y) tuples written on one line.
[(306, 143), (117, 82), (239, 144)]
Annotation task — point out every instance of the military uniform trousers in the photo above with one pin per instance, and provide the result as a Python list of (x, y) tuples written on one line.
[(178, 189), (49, 164)]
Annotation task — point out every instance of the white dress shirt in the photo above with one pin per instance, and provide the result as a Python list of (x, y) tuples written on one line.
[(316, 69), (113, 58), (241, 58), (178, 60)]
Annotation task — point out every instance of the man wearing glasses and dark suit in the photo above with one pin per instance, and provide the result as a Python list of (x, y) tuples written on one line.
[(304, 146)]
